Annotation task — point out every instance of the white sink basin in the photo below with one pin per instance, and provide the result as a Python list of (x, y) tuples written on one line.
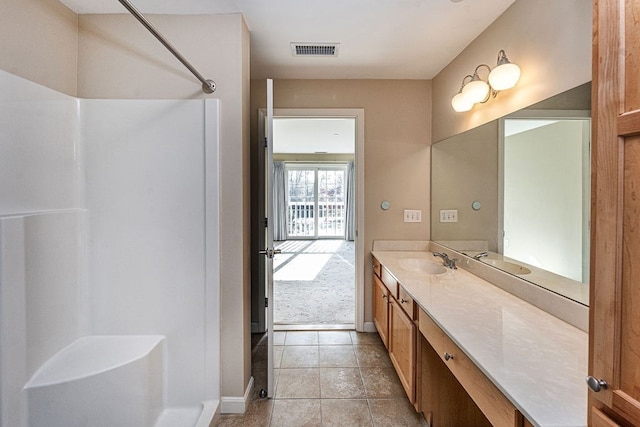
[(507, 266), (421, 266)]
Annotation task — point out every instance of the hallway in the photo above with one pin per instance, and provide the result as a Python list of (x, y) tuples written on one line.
[(326, 378)]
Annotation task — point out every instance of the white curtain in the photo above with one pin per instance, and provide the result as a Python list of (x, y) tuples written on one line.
[(279, 201), (350, 203)]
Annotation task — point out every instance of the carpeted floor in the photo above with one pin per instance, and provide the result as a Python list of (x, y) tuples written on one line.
[(314, 282)]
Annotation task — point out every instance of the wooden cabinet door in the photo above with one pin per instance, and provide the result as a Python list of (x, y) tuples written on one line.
[(614, 347), (402, 347), (599, 419), (381, 309)]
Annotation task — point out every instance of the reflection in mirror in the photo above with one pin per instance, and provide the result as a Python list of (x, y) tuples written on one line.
[(529, 172)]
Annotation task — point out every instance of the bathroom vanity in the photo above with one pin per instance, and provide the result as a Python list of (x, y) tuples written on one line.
[(469, 353)]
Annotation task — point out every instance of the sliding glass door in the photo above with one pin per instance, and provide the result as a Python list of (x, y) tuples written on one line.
[(316, 201)]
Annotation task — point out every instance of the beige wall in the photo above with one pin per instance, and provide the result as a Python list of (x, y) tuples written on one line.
[(549, 39), (39, 42), (396, 154), (118, 58)]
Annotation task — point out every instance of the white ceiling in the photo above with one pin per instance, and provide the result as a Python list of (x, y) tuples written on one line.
[(379, 39), (314, 135)]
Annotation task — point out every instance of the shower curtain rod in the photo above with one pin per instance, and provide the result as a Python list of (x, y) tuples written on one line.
[(208, 86)]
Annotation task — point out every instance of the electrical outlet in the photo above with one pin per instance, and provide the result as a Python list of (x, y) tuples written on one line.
[(449, 215), (412, 215)]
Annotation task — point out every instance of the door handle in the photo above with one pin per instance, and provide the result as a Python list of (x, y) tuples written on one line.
[(270, 253)]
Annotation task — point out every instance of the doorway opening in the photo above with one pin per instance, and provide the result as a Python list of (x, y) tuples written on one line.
[(314, 223)]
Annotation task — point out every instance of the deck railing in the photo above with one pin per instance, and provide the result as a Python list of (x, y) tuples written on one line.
[(301, 219)]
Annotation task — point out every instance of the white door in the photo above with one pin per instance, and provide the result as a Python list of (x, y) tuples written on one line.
[(269, 251)]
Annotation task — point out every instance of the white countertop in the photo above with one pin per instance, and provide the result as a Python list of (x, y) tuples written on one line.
[(538, 361)]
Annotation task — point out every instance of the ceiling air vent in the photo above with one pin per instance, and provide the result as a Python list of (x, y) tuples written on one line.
[(314, 49)]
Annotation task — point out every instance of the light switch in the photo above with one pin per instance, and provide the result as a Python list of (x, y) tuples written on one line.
[(449, 215), (412, 215)]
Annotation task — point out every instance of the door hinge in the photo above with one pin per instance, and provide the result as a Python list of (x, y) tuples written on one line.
[(266, 142), (266, 302), (266, 222)]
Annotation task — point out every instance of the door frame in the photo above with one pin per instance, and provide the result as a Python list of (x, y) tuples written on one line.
[(358, 115)]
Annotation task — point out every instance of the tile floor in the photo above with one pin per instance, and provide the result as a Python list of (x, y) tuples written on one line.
[(326, 378)]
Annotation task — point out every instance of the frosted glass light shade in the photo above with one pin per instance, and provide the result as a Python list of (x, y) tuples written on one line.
[(504, 76), (476, 91), (460, 103)]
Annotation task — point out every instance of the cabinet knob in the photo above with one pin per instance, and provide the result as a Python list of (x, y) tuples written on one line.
[(448, 356), (384, 297), (596, 384), (402, 300)]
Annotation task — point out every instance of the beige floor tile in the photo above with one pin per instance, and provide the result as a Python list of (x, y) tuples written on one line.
[(279, 337), (296, 413), (258, 340), (345, 413), (368, 338), (298, 384), (334, 337), (372, 356), (380, 383), (258, 415), (341, 383), (299, 356), (301, 338), (395, 412), (259, 354), (337, 356), (277, 355)]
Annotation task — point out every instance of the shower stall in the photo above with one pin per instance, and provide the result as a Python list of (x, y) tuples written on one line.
[(109, 253)]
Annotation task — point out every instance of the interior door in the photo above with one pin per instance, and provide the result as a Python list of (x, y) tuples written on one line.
[(269, 251), (614, 359)]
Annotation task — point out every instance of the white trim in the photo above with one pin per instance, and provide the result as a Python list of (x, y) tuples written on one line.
[(236, 405), (358, 114), (369, 327)]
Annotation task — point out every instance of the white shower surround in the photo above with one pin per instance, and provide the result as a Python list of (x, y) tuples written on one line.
[(108, 226)]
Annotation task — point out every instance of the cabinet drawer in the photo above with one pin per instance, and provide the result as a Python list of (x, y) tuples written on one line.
[(495, 406), (430, 331), (406, 302), (389, 281), (376, 267)]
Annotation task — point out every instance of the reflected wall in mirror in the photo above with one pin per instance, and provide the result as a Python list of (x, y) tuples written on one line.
[(529, 171)]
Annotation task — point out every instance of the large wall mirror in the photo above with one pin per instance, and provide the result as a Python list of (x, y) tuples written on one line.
[(520, 189)]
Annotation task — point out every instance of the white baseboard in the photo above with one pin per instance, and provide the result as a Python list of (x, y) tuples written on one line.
[(369, 327), (236, 405)]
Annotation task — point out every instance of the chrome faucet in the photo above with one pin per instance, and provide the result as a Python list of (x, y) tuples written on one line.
[(480, 255), (446, 261)]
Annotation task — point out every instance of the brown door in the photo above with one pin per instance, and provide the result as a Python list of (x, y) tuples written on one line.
[(614, 363)]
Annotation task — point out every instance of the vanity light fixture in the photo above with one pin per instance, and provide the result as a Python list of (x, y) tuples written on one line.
[(503, 76)]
